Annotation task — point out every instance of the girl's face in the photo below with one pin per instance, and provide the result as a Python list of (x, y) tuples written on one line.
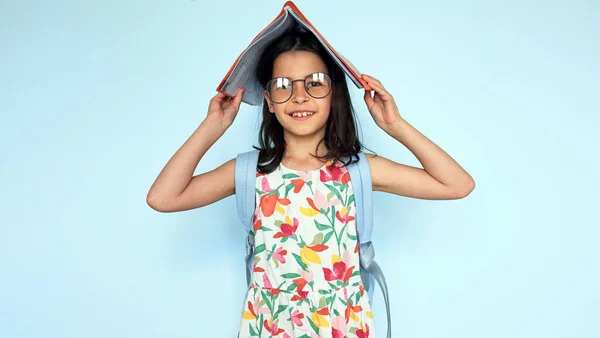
[(297, 65)]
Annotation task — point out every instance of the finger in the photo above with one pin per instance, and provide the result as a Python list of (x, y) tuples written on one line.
[(372, 79), (237, 100), (383, 94), (368, 99), (220, 97)]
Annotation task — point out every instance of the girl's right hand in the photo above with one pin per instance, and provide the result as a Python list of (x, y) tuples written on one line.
[(223, 109)]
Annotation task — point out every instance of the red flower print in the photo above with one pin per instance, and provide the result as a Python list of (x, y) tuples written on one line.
[(333, 172), (318, 247), (272, 328), (312, 204), (324, 311), (278, 255), (363, 334), (300, 296), (338, 326), (301, 282), (296, 317), (286, 229), (347, 218), (298, 184), (257, 225), (339, 272), (269, 201), (267, 285)]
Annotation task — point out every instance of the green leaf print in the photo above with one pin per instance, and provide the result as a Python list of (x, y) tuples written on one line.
[(327, 237), (268, 302), (351, 236), (317, 239), (288, 176), (252, 332), (309, 183), (260, 249), (299, 261), (291, 287), (350, 200), (260, 192), (302, 244), (264, 228), (279, 309), (335, 191), (330, 195), (290, 275), (288, 188), (322, 302), (304, 336), (353, 330), (322, 226), (272, 251), (336, 312)]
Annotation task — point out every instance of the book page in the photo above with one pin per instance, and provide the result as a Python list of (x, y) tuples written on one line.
[(329, 50), (243, 74)]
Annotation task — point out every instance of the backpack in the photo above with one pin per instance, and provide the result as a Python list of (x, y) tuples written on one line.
[(360, 175)]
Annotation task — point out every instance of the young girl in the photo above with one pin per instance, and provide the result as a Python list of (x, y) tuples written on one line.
[(306, 281)]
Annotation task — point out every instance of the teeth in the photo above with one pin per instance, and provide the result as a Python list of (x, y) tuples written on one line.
[(302, 114)]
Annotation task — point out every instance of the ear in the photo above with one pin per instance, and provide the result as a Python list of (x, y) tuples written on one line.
[(268, 102)]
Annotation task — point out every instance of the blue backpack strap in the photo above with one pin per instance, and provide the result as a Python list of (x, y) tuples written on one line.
[(360, 175), (245, 196)]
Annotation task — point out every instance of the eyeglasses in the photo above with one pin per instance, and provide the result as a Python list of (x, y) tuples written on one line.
[(280, 89)]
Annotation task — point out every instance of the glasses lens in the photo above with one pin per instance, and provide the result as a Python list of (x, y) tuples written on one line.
[(318, 85), (279, 89)]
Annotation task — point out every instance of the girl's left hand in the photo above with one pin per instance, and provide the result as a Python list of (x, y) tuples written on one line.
[(382, 106)]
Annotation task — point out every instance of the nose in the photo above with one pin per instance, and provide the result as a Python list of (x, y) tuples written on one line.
[(299, 94)]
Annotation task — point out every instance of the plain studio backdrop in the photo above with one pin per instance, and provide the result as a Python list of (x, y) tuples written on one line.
[(95, 97)]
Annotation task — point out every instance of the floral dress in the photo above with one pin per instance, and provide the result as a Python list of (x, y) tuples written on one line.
[(306, 281)]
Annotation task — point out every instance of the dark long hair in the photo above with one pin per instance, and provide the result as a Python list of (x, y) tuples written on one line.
[(341, 137)]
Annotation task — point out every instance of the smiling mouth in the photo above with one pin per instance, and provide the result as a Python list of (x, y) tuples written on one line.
[(301, 115)]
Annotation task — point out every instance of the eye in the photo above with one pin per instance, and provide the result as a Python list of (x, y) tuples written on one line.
[(314, 84)]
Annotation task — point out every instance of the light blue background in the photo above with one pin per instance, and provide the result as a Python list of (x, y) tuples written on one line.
[(96, 96)]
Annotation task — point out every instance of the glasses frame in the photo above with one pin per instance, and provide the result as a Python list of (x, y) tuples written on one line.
[(305, 88)]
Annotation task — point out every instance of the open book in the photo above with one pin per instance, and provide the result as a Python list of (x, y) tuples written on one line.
[(242, 72)]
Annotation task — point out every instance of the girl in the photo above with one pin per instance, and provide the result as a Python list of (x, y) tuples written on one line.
[(306, 280)]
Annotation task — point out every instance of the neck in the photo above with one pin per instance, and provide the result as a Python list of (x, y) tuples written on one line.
[(301, 147)]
